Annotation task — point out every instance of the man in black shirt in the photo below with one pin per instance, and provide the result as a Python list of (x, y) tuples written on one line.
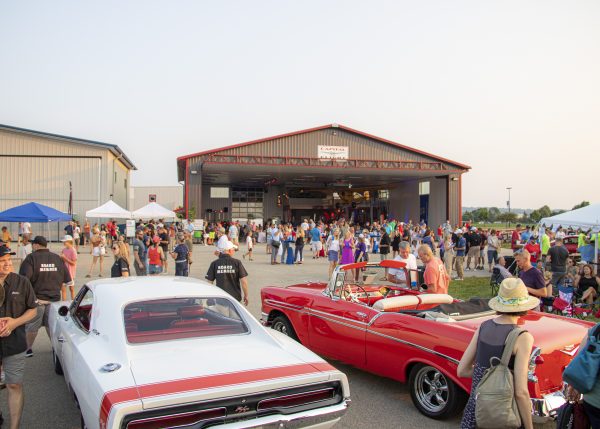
[(47, 273), (230, 274), (557, 257), (17, 307), (473, 242)]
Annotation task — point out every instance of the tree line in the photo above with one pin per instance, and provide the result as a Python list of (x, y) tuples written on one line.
[(494, 214)]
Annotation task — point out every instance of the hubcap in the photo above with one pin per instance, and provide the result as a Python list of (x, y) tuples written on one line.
[(431, 388), (279, 326)]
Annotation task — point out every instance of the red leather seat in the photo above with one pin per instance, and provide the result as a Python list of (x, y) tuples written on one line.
[(189, 323), (191, 312)]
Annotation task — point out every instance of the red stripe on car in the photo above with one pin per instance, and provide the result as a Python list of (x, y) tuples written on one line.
[(115, 397)]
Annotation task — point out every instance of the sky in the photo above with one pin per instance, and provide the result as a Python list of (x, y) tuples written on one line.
[(510, 88)]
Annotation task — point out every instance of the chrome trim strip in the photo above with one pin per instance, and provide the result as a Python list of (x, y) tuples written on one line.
[(362, 329), (283, 304), (425, 349), (311, 418), (338, 317)]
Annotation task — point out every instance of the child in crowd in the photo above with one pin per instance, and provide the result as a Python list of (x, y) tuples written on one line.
[(249, 245)]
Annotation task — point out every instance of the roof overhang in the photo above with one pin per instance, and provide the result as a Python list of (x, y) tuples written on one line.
[(114, 149), (182, 160)]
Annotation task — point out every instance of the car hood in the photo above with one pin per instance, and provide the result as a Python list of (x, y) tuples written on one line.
[(309, 287), (209, 368), (550, 332)]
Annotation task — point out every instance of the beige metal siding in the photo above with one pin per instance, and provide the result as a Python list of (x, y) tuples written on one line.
[(12, 143), (437, 201), (306, 145)]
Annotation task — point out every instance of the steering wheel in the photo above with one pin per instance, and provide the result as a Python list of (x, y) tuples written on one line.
[(353, 298)]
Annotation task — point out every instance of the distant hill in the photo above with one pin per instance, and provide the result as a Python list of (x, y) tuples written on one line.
[(502, 210)]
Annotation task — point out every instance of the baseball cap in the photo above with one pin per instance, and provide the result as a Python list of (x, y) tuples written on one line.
[(67, 238), (4, 250), (40, 240), (458, 231), (228, 245)]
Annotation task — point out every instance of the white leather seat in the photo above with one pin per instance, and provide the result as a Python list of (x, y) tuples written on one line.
[(436, 298), (395, 303)]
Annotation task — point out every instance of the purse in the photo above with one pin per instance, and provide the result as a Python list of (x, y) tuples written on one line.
[(582, 372)]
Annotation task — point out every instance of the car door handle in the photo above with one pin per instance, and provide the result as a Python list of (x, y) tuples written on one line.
[(61, 339), (361, 314)]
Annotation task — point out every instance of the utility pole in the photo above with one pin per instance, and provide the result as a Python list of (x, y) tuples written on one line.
[(508, 204)]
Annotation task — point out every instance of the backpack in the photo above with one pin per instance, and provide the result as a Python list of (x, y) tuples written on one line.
[(582, 372), (495, 404)]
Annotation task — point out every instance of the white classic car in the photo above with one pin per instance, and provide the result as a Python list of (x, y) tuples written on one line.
[(160, 352)]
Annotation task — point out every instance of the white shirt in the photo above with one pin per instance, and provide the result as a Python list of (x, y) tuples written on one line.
[(249, 242), (561, 234), (23, 251), (26, 228), (233, 231), (333, 244), (304, 226), (411, 264)]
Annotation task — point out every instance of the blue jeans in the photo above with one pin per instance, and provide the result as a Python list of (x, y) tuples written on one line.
[(285, 245), (181, 268), (492, 256), (298, 251)]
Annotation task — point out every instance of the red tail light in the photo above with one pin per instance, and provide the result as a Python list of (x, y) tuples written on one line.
[(176, 420), (297, 399)]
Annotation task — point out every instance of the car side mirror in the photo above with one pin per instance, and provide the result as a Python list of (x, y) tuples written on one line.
[(63, 311)]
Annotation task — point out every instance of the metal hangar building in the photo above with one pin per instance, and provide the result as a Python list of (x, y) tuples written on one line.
[(326, 172)]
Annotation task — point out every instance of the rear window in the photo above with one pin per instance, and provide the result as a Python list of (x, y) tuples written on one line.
[(176, 318)]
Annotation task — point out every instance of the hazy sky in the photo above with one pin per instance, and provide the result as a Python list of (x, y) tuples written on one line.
[(511, 88)]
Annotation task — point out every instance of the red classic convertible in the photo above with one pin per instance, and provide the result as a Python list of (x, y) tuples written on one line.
[(362, 318)]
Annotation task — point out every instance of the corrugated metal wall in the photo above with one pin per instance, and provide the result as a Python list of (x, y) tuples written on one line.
[(454, 199), (39, 169), (438, 189), (305, 145), (404, 201)]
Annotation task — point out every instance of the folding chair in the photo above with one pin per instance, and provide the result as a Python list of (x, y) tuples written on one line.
[(495, 281)]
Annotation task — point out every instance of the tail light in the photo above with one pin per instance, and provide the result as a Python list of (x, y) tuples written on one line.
[(178, 420), (296, 400), (534, 360)]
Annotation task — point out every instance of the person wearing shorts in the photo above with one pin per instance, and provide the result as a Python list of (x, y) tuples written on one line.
[(17, 307)]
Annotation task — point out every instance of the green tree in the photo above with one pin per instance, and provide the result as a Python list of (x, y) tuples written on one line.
[(494, 213), (580, 205), (508, 217)]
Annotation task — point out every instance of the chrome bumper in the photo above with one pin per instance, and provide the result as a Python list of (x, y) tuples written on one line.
[(546, 408), (322, 418)]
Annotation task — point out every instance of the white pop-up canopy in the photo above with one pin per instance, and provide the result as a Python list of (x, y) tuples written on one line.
[(153, 211), (586, 218), (111, 210)]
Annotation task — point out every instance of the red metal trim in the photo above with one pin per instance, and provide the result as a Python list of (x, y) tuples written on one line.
[(291, 161), (186, 188), (353, 266), (341, 127), (460, 200), (448, 181), (390, 263), (115, 397)]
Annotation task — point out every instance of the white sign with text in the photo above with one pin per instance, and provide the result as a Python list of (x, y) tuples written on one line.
[(333, 152)]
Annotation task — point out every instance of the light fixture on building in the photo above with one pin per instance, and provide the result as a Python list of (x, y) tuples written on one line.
[(349, 185), (194, 172), (454, 179)]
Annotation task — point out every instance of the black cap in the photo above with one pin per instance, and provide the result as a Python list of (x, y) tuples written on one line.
[(4, 250), (40, 240)]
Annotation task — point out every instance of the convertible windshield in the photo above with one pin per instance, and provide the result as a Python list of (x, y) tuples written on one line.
[(176, 318)]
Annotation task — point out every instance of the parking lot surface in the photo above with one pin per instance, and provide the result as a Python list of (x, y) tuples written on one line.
[(376, 402)]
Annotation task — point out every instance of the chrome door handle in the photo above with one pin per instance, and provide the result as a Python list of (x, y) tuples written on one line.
[(361, 314), (61, 339)]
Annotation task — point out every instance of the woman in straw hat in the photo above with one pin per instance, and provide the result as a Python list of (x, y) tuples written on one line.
[(512, 301)]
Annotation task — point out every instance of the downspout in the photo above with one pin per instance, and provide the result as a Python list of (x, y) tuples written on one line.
[(113, 178)]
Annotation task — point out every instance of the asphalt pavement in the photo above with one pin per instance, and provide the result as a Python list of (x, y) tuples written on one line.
[(377, 402)]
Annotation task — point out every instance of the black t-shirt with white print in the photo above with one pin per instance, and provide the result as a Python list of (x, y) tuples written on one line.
[(227, 271)]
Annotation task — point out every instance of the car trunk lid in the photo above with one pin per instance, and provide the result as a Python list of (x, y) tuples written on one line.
[(165, 377)]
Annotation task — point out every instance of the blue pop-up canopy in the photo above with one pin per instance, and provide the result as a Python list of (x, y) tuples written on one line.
[(33, 212)]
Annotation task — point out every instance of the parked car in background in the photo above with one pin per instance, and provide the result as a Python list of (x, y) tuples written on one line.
[(360, 318), (158, 352), (570, 242)]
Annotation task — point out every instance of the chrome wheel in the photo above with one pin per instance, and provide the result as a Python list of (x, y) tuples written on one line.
[(431, 389), (282, 324)]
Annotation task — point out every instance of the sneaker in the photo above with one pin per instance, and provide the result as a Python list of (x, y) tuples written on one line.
[(29, 353), (467, 269)]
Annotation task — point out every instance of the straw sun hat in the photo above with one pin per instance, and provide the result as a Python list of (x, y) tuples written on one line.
[(513, 297)]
